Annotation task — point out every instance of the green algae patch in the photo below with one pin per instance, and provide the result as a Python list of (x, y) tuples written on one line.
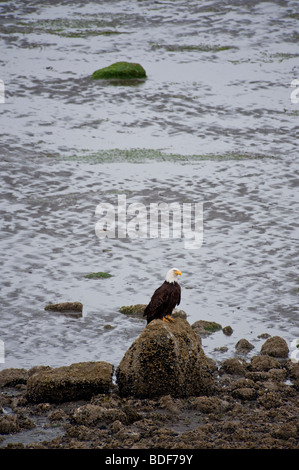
[(120, 71), (203, 327), (212, 326), (99, 275), (141, 155), (79, 27), (192, 48)]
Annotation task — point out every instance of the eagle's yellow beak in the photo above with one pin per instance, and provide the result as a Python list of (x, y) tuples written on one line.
[(178, 272)]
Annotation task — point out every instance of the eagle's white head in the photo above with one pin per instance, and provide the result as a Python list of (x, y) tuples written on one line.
[(172, 275)]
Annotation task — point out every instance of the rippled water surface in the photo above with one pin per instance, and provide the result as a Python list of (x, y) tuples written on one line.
[(212, 123)]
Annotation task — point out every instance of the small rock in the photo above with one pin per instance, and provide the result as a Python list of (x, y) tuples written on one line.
[(91, 415), (169, 404), (269, 399), (264, 336), (73, 309), (24, 422), (293, 369), (58, 415), (263, 363), (285, 431), (234, 366), (12, 377), (117, 426), (221, 349), (244, 346), (245, 393), (206, 404), (278, 375), (227, 330), (8, 425), (41, 408), (275, 347), (245, 389)]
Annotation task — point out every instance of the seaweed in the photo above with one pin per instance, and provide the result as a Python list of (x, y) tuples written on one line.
[(99, 275), (120, 70)]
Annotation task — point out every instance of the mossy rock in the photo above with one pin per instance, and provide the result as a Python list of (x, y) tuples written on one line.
[(133, 310), (203, 327), (78, 381), (72, 309), (99, 275), (11, 377), (243, 346), (120, 70), (275, 347), (166, 359), (64, 306)]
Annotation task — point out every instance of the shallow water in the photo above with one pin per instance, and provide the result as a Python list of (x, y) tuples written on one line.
[(218, 85)]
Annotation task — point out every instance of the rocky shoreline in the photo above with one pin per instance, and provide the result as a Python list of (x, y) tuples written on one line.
[(253, 404)]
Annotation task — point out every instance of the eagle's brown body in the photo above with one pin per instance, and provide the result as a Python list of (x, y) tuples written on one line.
[(163, 301)]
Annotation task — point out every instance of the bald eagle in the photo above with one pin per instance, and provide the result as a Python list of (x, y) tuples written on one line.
[(165, 298)]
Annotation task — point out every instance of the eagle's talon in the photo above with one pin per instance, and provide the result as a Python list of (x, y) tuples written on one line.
[(168, 319)]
